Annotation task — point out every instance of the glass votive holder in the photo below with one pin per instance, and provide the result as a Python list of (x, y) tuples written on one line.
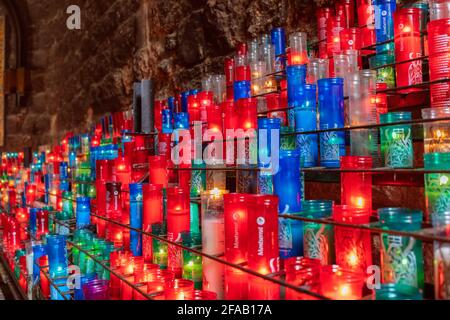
[(318, 238), (353, 246), (436, 134), (402, 257), (396, 141), (437, 185), (439, 9), (391, 291), (441, 223), (307, 278), (201, 295), (385, 70), (341, 284), (179, 290), (317, 69), (298, 54), (96, 290)]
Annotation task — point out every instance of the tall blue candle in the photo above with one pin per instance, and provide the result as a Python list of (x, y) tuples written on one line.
[(278, 38), (384, 24), (33, 221), (307, 144), (172, 103), (167, 121), (288, 185), (136, 219), (181, 120), (83, 212), (269, 141), (184, 101), (296, 80), (39, 251), (331, 108), (242, 90)]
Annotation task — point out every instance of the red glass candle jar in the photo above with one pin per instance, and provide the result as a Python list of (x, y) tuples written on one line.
[(303, 276), (230, 115), (201, 295), (439, 52), (381, 100), (408, 46), (323, 15), (30, 194), (44, 283), (215, 118), (346, 8), (152, 213), (42, 223), (229, 71), (179, 290), (122, 170), (126, 291), (334, 27), (194, 108), (184, 176), (356, 187), (273, 101), (350, 39), (158, 170), (341, 284), (242, 73), (353, 246), (178, 221), (263, 250), (247, 113)]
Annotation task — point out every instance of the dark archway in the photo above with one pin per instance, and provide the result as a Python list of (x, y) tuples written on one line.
[(18, 14)]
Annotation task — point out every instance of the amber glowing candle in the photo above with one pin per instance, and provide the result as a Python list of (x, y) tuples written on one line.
[(341, 284), (356, 187), (179, 290), (152, 213), (178, 221), (158, 170), (408, 46), (353, 246), (263, 249)]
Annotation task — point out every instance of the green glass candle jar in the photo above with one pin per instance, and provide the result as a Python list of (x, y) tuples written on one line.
[(396, 141), (318, 238), (198, 181), (402, 257), (441, 223), (288, 140), (160, 252), (392, 291), (437, 185), (385, 74), (192, 263), (67, 204)]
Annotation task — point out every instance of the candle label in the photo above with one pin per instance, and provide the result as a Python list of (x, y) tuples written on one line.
[(399, 261)]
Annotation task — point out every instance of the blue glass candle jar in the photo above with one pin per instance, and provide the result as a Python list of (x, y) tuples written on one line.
[(268, 152), (136, 219), (307, 144), (331, 108), (402, 257), (288, 185), (172, 103), (296, 81), (83, 212), (437, 185), (32, 227), (167, 121), (318, 238), (242, 90), (57, 255), (384, 24), (181, 120), (278, 38), (39, 250), (396, 141), (184, 101)]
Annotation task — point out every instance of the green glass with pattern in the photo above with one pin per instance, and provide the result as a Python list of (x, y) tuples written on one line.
[(384, 74), (318, 238), (402, 257), (192, 263), (396, 141), (160, 249), (288, 139), (392, 291), (437, 185), (198, 180)]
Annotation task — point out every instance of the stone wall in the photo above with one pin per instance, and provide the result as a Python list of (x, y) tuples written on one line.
[(76, 76)]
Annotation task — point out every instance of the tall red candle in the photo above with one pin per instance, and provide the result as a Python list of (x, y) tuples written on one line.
[(178, 221), (236, 245), (152, 213), (323, 15), (263, 249), (408, 46), (158, 170), (334, 27), (104, 173), (247, 113), (273, 101)]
